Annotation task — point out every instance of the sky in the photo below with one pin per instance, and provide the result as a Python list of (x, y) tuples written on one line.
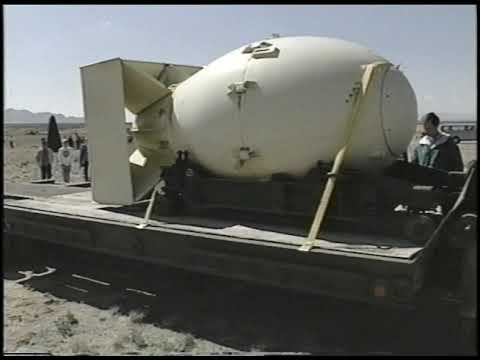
[(45, 45)]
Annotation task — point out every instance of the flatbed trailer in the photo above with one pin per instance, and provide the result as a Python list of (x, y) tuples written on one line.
[(373, 268), (351, 266)]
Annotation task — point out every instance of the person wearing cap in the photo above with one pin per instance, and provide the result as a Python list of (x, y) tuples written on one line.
[(65, 158), (437, 149), (45, 160)]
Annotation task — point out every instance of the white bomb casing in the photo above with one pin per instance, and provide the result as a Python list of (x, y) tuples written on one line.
[(276, 106), (284, 106)]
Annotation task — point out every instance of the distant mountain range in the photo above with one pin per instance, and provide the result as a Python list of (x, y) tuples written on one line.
[(13, 116)]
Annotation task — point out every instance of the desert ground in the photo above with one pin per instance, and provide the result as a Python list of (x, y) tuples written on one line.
[(42, 315), (38, 322), (19, 162)]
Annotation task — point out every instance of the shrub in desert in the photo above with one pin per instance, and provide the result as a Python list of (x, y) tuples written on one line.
[(53, 137), (65, 324)]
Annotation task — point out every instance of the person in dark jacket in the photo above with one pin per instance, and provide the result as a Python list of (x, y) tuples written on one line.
[(84, 158), (437, 149)]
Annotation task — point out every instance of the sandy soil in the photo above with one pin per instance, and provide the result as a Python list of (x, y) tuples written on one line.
[(37, 321), (40, 322)]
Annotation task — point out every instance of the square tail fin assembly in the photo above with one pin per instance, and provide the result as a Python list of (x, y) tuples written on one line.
[(110, 87)]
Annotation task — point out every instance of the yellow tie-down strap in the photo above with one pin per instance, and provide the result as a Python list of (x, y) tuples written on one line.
[(377, 69)]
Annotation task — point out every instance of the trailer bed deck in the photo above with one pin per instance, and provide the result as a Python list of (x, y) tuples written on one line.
[(78, 202)]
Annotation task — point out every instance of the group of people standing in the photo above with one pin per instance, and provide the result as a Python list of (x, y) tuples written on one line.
[(65, 157)]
